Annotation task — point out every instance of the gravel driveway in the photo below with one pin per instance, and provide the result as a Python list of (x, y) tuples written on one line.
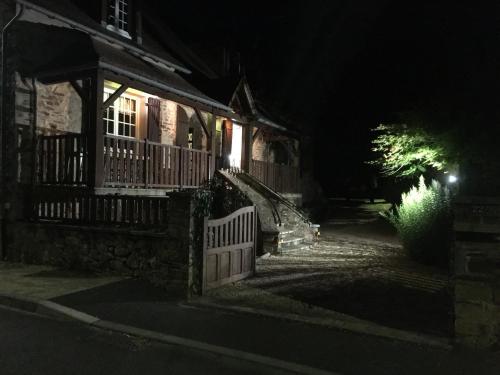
[(358, 268)]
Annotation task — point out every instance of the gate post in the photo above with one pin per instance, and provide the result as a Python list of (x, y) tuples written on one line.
[(475, 274), (254, 238), (204, 256)]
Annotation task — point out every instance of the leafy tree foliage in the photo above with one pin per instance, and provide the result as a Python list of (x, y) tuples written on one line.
[(409, 151)]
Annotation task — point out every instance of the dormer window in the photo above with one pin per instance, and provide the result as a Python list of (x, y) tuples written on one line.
[(118, 16)]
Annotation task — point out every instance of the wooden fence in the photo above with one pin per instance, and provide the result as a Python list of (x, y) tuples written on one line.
[(62, 159), (86, 208), (229, 247), (281, 178), (141, 163), (128, 162)]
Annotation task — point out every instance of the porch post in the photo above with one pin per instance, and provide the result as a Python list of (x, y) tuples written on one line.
[(247, 147), (213, 144), (95, 136)]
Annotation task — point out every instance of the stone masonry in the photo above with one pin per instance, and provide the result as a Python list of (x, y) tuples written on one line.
[(161, 255), (476, 271), (59, 108)]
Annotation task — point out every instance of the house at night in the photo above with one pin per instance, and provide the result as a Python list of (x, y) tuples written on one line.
[(101, 129)]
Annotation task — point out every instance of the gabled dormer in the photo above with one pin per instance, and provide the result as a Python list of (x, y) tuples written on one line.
[(122, 17)]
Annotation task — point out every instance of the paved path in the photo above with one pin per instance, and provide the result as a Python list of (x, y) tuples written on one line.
[(135, 303), (44, 282)]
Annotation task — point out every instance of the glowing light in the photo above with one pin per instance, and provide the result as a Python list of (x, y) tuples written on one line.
[(452, 179)]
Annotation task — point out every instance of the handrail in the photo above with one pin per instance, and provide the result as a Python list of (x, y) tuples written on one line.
[(274, 210), (249, 178)]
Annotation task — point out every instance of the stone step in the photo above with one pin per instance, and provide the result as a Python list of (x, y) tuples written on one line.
[(287, 232), (292, 241), (295, 249)]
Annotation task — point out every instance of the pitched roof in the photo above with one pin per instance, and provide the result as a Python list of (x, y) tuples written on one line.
[(69, 11), (78, 50)]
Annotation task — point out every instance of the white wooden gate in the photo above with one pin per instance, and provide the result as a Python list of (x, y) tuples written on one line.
[(229, 247)]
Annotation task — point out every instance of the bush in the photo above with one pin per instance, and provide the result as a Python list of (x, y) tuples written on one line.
[(424, 222)]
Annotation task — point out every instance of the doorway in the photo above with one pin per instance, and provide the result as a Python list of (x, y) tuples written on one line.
[(236, 147)]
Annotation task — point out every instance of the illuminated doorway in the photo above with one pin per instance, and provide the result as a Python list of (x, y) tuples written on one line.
[(236, 147)]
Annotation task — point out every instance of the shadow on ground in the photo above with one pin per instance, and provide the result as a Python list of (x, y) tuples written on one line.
[(358, 269), (124, 291)]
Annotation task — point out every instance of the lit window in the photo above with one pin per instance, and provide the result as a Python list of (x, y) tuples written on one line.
[(118, 16), (120, 118)]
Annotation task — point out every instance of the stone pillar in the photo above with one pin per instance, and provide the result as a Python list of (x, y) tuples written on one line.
[(477, 311), (476, 274)]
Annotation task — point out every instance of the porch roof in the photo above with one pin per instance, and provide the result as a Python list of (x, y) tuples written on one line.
[(60, 53), (68, 11)]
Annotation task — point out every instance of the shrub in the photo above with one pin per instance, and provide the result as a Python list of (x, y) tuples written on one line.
[(424, 222)]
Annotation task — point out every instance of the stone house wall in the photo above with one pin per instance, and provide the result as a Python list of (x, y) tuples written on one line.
[(168, 122), (161, 256), (260, 147), (171, 121), (59, 108)]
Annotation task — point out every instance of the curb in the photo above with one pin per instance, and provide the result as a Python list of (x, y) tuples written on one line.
[(358, 326), (53, 309)]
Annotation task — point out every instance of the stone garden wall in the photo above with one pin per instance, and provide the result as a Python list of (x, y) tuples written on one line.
[(162, 256), (477, 272)]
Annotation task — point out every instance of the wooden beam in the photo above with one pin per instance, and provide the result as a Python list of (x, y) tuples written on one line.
[(95, 136), (247, 147), (79, 90), (202, 121), (65, 75), (119, 91), (213, 143)]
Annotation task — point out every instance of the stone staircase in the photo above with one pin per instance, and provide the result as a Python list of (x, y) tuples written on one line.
[(284, 228)]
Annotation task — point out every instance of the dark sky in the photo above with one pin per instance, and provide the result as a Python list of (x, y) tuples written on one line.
[(339, 68)]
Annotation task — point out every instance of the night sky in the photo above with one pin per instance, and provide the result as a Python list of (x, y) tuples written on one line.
[(338, 68)]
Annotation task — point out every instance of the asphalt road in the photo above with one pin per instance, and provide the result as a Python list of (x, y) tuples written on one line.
[(136, 303), (34, 345)]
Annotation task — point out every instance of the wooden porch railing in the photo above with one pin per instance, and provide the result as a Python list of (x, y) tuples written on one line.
[(144, 164), (128, 162), (62, 159), (79, 207), (281, 178)]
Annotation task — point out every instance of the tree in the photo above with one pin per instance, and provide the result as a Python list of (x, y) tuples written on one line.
[(409, 151)]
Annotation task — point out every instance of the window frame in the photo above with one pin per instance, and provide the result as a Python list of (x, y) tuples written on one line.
[(115, 26), (116, 113)]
